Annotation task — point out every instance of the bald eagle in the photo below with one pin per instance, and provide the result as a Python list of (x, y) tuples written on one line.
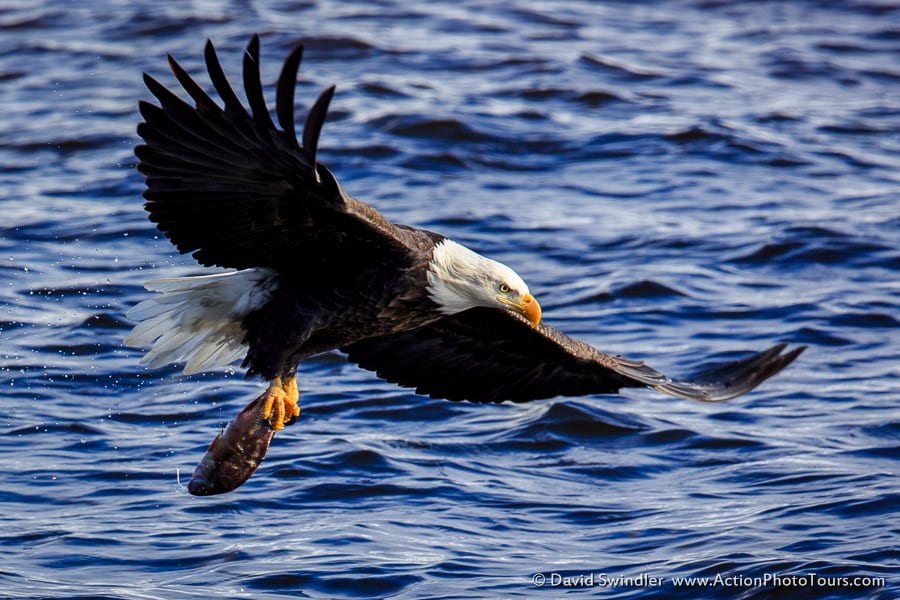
[(314, 270)]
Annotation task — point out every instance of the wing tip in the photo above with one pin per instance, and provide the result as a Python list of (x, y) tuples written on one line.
[(220, 80), (150, 81), (312, 127), (284, 104), (733, 379), (284, 98), (253, 86)]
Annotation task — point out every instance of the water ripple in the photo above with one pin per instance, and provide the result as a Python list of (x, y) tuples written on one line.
[(679, 185)]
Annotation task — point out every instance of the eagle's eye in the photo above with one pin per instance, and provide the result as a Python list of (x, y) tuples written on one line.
[(504, 289)]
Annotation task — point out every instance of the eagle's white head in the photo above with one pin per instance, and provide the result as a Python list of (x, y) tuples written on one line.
[(460, 279)]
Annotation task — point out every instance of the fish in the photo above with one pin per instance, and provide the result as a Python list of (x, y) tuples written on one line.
[(235, 454)]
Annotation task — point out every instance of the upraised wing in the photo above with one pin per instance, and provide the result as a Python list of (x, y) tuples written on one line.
[(487, 355), (226, 184)]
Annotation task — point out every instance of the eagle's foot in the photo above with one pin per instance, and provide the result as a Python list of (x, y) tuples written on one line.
[(280, 403)]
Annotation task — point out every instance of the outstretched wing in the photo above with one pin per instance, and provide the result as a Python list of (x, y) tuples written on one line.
[(228, 185), (487, 355)]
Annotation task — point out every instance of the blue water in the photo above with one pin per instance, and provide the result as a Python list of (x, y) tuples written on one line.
[(676, 181)]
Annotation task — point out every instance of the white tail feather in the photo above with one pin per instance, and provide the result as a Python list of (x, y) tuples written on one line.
[(198, 319)]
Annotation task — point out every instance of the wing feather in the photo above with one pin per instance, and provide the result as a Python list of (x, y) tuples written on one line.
[(228, 186), (486, 355), (314, 121), (220, 81), (197, 94), (284, 95), (253, 86)]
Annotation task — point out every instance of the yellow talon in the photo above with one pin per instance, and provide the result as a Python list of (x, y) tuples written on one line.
[(280, 406)]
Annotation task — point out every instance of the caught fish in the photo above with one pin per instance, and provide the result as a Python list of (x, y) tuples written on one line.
[(236, 452)]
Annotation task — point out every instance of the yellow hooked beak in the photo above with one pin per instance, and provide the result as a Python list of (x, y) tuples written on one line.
[(528, 307)]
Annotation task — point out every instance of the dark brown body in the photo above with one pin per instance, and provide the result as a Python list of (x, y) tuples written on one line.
[(315, 309)]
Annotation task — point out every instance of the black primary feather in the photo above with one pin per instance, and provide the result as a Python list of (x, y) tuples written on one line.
[(253, 86), (313, 125), (200, 97), (220, 81), (284, 95)]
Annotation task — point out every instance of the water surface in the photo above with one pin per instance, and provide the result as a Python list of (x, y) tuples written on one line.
[(680, 182)]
